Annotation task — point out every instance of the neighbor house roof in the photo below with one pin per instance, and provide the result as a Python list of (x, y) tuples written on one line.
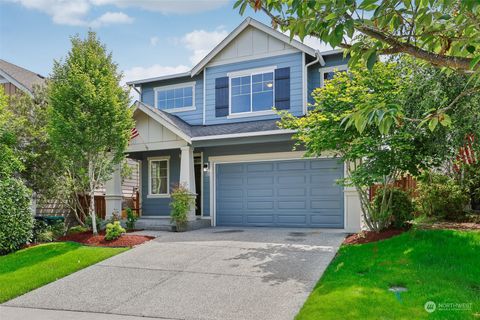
[(20, 77), (211, 132), (246, 23)]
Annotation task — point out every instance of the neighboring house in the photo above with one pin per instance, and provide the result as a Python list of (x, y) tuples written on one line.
[(15, 79), (213, 129)]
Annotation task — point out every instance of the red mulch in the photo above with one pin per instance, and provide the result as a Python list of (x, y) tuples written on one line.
[(125, 240), (371, 236)]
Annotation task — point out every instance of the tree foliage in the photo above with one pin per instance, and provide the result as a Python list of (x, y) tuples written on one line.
[(90, 119), (372, 156), (443, 33)]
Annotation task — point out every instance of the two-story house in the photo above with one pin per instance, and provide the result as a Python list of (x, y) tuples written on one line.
[(213, 130)]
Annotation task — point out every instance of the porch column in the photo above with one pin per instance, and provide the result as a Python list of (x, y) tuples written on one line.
[(113, 193), (187, 175)]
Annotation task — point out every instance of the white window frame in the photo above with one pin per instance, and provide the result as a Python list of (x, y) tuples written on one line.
[(341, 67), (176, 86), (243, 73), (149, 176)]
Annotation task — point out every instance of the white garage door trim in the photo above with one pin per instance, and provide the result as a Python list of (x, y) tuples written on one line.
[(351, 213)]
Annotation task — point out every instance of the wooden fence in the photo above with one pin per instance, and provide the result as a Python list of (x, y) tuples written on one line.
[(407, 184)]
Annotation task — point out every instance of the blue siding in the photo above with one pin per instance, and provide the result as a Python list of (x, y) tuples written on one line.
[(159, 206), (194, 117), (294, 61), (290, 193)]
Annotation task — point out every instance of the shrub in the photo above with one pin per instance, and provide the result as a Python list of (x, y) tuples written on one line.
[(115, 217), (99, 222), (401, 206), (440, 196), (16, 221), (43, 232), (114, 231), (131, 219), (77, 229), (182, 201)]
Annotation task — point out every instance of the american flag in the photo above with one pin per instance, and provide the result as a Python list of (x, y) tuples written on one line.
[(466, 154), (134, 133)]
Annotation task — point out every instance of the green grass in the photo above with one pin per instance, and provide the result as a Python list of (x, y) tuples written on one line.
[(34, 267), (442, 266)]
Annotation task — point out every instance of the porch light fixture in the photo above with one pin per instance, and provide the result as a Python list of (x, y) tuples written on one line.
[(205, 167)]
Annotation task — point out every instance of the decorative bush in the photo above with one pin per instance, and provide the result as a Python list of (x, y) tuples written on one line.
[(114, 231), (131, 219), (440, 196), (43, 232), (182, 202), (77, 229), (16, 221), (401, 206)]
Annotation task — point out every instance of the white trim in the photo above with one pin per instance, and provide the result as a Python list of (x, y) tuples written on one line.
[(340, 67), (250, 22), (250, 114), (274, 156), (304, 85), (244, 134), (15, 83), (176, 86), (204, 93), (250, 73), (171, 76), (160, 119), (162, 195)]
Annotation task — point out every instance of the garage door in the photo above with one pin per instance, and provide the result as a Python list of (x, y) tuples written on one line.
[(289, 193)]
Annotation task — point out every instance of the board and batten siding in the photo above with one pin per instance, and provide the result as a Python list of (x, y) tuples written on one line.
[(194, 117), (292, 60)]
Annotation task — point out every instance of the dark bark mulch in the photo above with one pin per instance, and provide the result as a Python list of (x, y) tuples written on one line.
[(371, 236), (451, 225), (125, 240)]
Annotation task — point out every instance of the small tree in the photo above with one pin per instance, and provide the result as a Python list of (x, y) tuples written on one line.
[(372, 156), (90, 120)]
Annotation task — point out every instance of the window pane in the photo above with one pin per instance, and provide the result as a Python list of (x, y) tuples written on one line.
[(235, 81), (256, 87), (235, 90), (170, 103), (158, 176), (241, 103), (170, 94), (257, 78), (162, 104), (188, 91), (179, 93), (178, 103), (188, 102), (262, 101), (268, 76), (245, 80), (161, 95)]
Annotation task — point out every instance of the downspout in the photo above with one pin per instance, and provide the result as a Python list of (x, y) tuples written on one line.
[(318, 59)]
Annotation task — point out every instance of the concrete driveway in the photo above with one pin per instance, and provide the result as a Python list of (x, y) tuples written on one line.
[(221, 273)]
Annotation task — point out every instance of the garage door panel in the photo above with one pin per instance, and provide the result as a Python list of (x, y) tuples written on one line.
[(297, 193)]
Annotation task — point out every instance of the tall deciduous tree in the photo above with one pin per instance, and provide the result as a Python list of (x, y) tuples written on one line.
[(90, 120), (444, 33)]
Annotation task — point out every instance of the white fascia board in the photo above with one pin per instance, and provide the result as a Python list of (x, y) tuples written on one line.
[(171, 76), (242, 135), (157, 117), (15, 83)]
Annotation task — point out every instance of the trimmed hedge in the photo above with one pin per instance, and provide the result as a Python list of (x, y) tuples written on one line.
[(16, 220)]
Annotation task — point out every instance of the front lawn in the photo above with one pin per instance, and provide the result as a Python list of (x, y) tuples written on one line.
[(36, 266), (442, 266)]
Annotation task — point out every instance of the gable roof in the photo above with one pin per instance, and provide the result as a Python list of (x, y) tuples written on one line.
[(225, 42), (22, 78), (258, 25), (211, 132)]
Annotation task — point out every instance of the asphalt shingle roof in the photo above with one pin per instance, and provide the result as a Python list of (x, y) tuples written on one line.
[(25, 77)]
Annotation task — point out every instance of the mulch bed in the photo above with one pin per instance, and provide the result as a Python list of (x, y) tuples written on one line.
[(451, 225), (126, 240), (371, 236)]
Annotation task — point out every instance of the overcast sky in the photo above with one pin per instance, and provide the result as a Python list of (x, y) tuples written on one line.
[(148, 38)]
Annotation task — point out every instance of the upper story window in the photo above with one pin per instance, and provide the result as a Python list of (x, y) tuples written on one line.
[(329, 72), (175, 98), (252, 91)]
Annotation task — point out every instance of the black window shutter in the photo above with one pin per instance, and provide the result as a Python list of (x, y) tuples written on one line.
[(221, 97), (282, 88)]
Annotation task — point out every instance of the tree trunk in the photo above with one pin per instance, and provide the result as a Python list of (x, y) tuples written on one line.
[(91, 208)]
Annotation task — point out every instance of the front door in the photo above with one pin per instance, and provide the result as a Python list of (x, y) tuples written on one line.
[(198, 185)]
